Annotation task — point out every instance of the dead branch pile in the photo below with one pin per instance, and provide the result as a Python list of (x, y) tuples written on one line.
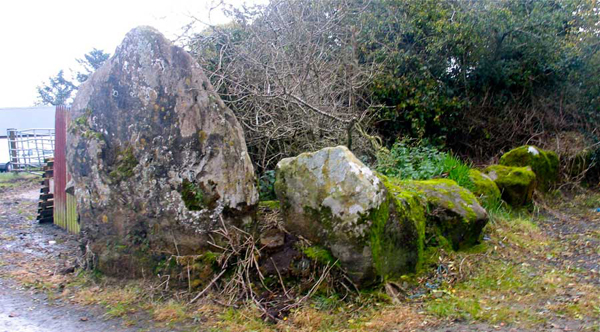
[(240, 279)]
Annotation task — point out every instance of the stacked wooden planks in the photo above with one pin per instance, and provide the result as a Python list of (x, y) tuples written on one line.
[(46, 202)]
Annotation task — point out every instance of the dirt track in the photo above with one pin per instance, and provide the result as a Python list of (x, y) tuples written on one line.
[(27, 311), (49, 249)]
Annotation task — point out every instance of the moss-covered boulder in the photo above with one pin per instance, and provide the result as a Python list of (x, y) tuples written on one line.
[(484, 188), (542, 162), (454, 216), (516, 183), (331, 198), (397, 243)]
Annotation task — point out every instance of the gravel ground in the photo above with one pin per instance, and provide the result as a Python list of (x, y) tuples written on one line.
[(29, 311), (49, 251)]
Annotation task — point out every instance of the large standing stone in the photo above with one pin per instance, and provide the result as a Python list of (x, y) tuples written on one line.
[(331, 198), (156, 157)]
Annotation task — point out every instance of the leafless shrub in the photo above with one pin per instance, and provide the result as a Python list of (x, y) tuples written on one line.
[(291, 73)]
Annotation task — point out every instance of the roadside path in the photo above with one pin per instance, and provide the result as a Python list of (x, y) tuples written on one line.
[(26, 311), (35, 254)]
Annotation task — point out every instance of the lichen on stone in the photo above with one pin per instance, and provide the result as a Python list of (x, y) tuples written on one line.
[(142, 124)]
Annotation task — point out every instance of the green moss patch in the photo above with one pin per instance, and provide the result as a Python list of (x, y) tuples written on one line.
[(193, 196), (485, 189), (270, 205), (319, 255), (124, 166), (516, 183), (81, 126), (543, 163)]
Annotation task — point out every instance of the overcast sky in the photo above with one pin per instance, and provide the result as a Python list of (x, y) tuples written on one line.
[(38, 38)]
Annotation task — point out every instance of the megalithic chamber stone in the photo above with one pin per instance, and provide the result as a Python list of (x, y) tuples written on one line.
[(157, 158)]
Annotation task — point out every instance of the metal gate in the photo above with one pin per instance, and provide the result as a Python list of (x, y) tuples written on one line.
[(29, 148)]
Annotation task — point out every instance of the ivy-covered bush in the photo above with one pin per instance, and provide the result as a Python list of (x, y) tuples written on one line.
[(266, 186)]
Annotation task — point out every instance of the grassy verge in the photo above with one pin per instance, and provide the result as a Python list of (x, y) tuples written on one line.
[(13, 180), (516, 280)]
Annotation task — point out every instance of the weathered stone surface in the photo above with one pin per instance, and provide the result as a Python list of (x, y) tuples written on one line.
[(453, 212), (156, 156), (542, 162), (327, 196), (516, 183), (334, 200), (485, 189)]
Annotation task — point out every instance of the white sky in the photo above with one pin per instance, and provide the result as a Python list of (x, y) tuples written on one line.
[(38, 38)]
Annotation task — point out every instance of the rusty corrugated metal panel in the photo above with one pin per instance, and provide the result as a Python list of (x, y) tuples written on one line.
[(71, 214), (60, 166), (65, 214)]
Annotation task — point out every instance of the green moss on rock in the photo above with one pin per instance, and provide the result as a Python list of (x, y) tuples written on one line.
[(484, 188), (398, 232), (542, 162), (319, 255), (454, 214), (193, 196), (81, 125), (516, 183), (374, 228), (124, 166), (271, 205)]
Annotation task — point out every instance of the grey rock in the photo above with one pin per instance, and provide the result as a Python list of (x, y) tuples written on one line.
[(325, 197), (157, 158)]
